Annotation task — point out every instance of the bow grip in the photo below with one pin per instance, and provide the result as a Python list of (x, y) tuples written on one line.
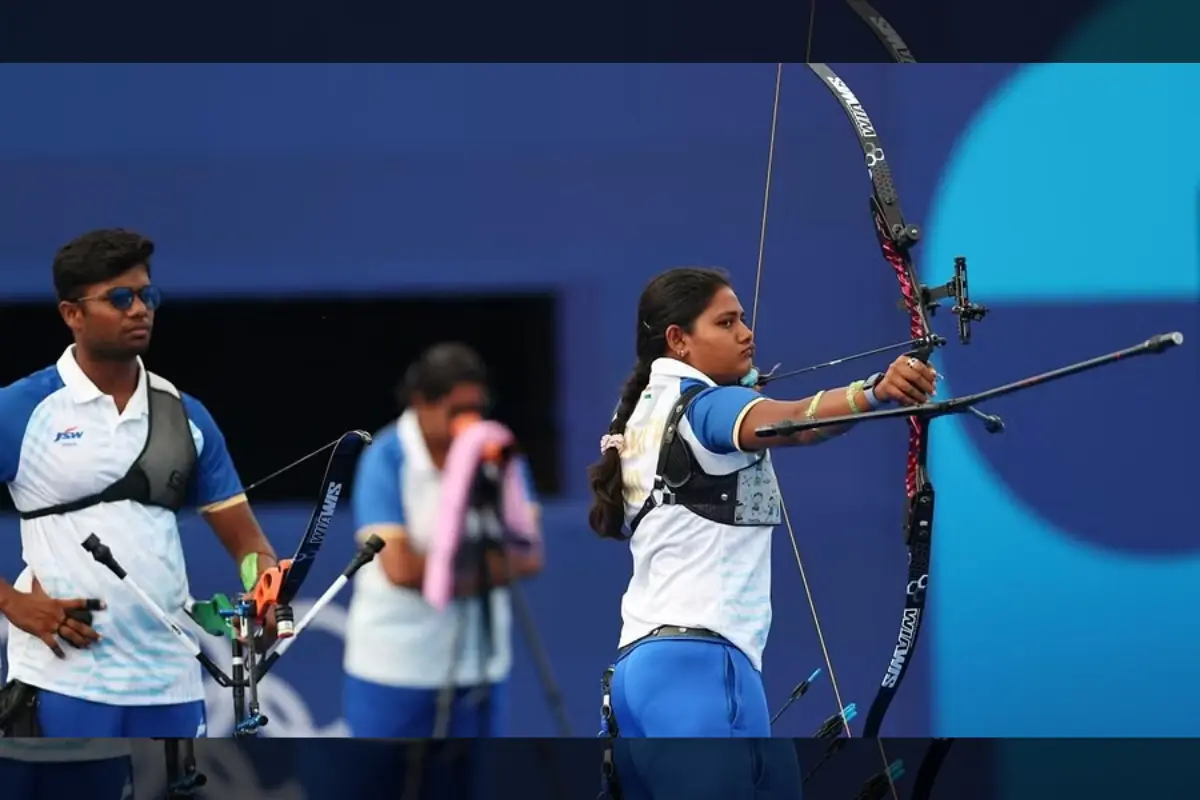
[(265, 593)]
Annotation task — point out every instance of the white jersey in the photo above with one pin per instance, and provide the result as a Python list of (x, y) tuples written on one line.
[(688, 570), (393, 636), (61, 439)]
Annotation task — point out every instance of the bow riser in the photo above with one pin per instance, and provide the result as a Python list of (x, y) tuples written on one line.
[(896, 239)]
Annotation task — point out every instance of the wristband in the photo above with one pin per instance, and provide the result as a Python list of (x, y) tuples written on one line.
[(851, 390), (873, 402)]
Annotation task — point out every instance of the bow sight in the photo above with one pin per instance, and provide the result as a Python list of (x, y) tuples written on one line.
[(956, 290), (921, 346)]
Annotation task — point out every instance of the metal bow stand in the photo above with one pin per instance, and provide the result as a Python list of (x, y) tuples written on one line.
[(248, 618)]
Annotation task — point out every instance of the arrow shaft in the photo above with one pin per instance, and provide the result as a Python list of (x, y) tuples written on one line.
[(771, 378)]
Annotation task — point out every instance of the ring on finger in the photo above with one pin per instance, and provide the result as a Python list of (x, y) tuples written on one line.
[(912, 362)]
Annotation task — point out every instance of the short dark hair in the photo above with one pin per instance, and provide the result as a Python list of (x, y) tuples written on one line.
[(98, 256), (439, 370)]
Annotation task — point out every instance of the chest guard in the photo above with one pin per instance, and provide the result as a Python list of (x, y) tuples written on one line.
[(747, 497), (161, 473)]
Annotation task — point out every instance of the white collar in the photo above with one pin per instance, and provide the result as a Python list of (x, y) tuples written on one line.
[(674, 368), (84, 391), (412, 442)]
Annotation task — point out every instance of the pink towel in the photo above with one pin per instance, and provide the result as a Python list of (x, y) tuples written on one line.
[(462, 462)]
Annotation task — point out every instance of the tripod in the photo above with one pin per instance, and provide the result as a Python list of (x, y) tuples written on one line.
[(485, 533)]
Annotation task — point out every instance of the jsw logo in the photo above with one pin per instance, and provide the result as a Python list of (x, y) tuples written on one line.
[(68, 435)]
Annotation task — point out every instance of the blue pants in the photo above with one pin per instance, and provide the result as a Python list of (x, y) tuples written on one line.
[(665, 691), (63, 717), (689, 688), (382, 770), (375, 711), (108, 779)]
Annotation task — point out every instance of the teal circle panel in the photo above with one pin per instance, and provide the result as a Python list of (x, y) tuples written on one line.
[(1073, 190)]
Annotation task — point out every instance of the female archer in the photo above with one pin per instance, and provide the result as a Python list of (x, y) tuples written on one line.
[(682, 470)]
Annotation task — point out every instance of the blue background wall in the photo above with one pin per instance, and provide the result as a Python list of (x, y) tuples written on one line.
[(1066, 571)]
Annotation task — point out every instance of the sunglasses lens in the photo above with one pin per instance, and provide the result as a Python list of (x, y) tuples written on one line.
[(121, 299), (152, 297)]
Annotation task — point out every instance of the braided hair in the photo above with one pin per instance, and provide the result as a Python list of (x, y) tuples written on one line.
[(676, 297)]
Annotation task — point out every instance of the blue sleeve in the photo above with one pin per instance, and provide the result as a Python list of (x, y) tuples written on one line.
[(17, 404), (215, 478), (375, 497), (527, 479), (714, 415)]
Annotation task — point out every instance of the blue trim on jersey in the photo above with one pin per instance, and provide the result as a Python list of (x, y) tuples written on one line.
[(17, 403), (215, 478), (527, 478), (714, 412), (375, 499)]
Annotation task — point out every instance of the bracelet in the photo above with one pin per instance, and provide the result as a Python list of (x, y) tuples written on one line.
[(812, 407), (851, 390)]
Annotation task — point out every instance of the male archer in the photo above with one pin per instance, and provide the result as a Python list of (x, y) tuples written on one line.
[(96, 443)]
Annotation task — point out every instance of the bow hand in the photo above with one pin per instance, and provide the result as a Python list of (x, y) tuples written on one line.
[(909, 381)]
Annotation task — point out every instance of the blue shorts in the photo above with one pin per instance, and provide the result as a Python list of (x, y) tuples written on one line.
[(375, 711), (63, 717), (665, 691), (107, 779)]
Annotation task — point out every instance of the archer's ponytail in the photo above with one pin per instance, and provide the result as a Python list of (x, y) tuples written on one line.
[(677, 297), (607, 514)]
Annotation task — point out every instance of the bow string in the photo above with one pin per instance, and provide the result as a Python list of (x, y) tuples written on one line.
[(896, 238)]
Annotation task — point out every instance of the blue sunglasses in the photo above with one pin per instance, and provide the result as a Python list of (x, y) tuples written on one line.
[(121, 298)]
